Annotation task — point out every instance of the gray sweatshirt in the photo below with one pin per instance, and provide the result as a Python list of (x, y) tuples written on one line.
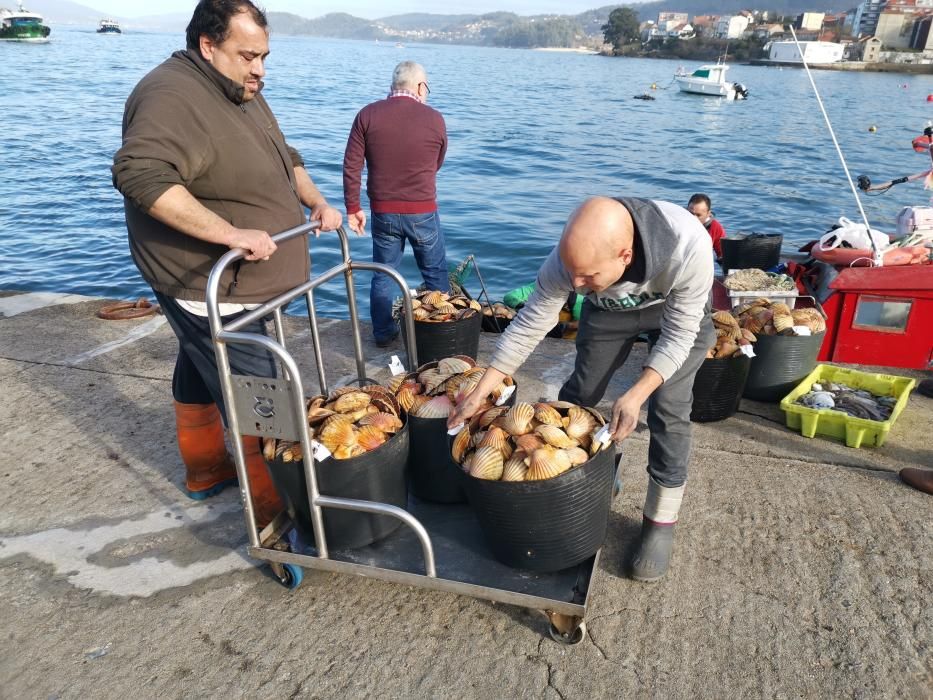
[(672, 265)]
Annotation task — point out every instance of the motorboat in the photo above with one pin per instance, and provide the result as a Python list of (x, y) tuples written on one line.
[(22, 25), (109, 26), (710, 80)]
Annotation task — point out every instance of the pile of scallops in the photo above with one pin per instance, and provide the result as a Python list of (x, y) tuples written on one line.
[(730, 336), (435, 388), (499, 310), (763, 316), (349, 422), (527, 442), (437, 307)]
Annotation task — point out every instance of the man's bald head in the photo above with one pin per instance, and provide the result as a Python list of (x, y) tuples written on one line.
[(596, 245)]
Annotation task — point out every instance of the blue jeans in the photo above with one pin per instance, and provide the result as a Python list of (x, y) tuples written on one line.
[(390, 231)]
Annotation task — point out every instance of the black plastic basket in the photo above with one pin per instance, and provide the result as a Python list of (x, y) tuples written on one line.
[(489, 324), (378, 475), (779, 365), (435, 341), (433, 476), (546, 525), (718, 387), (756, 250)]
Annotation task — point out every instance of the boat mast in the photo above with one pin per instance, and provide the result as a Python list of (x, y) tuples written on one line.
[(877, 260)]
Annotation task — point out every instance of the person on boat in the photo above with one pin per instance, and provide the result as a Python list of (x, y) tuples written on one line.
[(644, 266), (204, 168), (403, 143), (701, 207)]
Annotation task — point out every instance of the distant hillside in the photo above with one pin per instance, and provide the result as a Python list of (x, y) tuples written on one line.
[(60, 11), (422, 20)]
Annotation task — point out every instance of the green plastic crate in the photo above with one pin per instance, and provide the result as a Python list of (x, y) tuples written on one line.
[(827, 422)]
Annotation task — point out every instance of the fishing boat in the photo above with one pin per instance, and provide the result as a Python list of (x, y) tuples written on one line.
[(710, 80), (877, 300), (22, 25), (109, 26)]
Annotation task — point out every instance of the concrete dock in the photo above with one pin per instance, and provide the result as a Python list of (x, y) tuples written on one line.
[(802, 568)]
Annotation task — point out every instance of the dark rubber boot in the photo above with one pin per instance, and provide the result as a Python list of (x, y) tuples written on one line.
[(653, 556), (920, 479)]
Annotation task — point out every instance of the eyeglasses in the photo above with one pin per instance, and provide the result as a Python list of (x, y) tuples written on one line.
[(426, 88)]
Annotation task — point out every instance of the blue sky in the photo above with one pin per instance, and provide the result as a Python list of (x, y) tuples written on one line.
[(361, 8)]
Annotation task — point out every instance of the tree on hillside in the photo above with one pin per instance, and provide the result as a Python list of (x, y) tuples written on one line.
[(622, 27)]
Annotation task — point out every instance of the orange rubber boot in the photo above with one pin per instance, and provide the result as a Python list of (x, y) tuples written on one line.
[(266, 501), (209, 469)]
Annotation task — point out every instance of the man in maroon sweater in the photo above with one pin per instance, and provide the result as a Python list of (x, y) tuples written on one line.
[(403, 142)]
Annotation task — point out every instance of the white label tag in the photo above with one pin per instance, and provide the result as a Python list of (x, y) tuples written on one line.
[(319, 451), (603, 435), (456, 429), (506, 394), (395, 366), (801, 330), (747, 350)]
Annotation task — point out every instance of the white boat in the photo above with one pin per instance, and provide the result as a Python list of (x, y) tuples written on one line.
[(109, 26), (22, 25), (710, 80)]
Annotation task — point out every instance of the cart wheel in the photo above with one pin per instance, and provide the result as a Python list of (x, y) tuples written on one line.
[(572, 638), (291, 576)]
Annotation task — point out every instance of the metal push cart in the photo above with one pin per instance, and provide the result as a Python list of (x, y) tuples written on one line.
[(440, 547)]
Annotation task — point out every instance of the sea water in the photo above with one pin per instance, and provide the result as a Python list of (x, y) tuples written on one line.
[(531, 134)]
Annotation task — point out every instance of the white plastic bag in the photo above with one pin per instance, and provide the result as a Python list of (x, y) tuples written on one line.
[(856, 235)]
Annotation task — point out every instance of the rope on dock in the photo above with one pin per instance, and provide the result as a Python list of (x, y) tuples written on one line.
[(123, 310)]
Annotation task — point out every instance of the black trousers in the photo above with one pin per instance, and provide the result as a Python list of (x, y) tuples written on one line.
[(604, 341), (196, 379)]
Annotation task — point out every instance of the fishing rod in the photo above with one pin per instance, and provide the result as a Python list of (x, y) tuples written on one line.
[(877, 260)]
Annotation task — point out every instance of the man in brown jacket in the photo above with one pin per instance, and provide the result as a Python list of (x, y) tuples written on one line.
[(204, 168)]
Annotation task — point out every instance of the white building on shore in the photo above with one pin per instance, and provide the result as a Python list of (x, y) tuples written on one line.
[(813, 51)]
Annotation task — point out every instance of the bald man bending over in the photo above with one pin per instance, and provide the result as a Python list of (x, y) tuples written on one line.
[(644, 266)]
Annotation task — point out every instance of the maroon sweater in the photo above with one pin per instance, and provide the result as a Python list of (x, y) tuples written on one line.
[(403, 142)]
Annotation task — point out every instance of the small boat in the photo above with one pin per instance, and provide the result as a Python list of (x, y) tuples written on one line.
[(643, 96), (109, 26), (710, 80), (22, 25)]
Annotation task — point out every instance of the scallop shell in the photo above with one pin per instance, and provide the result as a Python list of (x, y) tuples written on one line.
[(348, 451), (577, 456), (547, 414), (437, 407), (418, 401), (467, 462), (475, 305), (561, 405), (434, 298), (579, 423), (383, 405), (433, 380), (352, 401), (529, 442), (724, 318), (420, 314), (477, 438), (340, 434), (370, 437), (452, 386), (518, 419), (553, 435), (283, 450), (395, 383), (779, 308), (752, 324), (445, 308), (453, 365), (462, 442), (332, 421), (406, 396), (547, 463), (459, 301), (748, 335), (466, 313), (465, 387), (816, 325), (316, 415), (268, 449), (726, 349), (485, 418), (782, 322), (386, 422), (477, 372), (498, 438), (487, 463), (514, 469)]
